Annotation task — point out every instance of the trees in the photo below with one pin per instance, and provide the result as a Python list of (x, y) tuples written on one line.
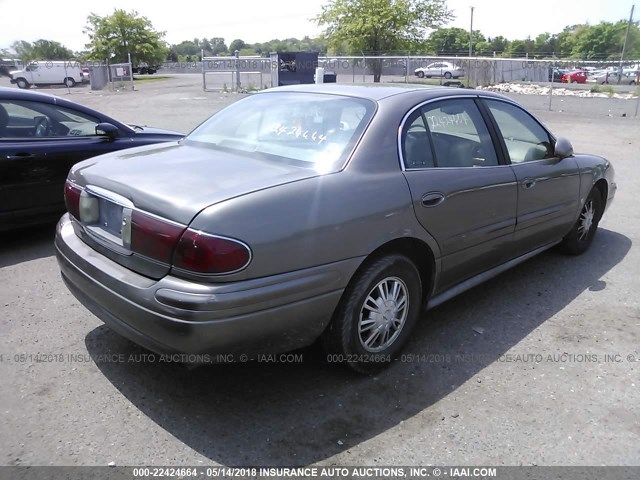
[(291, 45), (115, 36), (499, 44), (218, 46), (50, 50), (601, 41), (237, 44), (186, 50), (41, 50), (453, 41), (23, 50), (378, 27)]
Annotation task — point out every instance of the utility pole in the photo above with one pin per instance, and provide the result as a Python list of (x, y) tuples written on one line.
[(624, 44), (471, 34)]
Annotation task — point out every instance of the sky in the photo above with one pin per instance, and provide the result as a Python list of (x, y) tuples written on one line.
[(261, 21)]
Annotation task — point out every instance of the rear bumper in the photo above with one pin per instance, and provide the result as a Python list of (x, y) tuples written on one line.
[(172, 315)]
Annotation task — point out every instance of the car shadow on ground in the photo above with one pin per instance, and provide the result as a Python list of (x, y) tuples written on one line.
[(301, 413), (27, 244)]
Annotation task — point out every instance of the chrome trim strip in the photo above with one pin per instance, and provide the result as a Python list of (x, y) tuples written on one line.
[(408, 114), (109, 195), (448, 97)]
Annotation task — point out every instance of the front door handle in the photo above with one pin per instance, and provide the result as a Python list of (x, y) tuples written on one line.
[(432, 199), (528, 183)]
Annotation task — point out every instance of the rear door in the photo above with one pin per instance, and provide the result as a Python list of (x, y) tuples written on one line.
[(463, 195), (548, 188)]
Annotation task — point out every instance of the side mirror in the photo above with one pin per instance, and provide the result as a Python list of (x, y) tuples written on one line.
[(563, 148), (107, 129)]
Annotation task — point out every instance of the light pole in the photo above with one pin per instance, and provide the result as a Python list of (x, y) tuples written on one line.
[(624, 44), (471, 33)]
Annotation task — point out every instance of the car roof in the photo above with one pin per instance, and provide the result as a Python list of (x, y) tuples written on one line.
[(380, 91), (18, 94)]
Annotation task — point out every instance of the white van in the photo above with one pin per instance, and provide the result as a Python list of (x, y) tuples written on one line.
[(47, 72)]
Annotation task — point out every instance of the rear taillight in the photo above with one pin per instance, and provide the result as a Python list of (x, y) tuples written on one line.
[(72, 198), (153, 237), (201, 252), (80, 204)]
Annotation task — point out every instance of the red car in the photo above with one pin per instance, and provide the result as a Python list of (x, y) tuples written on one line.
[(577, 76)]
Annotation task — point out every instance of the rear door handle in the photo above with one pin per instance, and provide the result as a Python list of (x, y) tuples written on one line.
[(528, 183), (432, 199)]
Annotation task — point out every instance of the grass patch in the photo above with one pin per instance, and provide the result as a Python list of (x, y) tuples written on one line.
[(150, 78), (608, 89)]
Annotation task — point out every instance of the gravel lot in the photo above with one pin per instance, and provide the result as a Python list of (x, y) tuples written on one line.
[(538, 366)]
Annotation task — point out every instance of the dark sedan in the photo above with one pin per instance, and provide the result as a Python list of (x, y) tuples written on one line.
[(332, 212), (41, 138)]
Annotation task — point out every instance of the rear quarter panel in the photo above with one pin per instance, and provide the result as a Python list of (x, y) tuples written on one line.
[(329, 217)]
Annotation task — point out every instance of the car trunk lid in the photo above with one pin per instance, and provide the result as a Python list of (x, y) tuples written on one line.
[(170, 183), (177, 181)]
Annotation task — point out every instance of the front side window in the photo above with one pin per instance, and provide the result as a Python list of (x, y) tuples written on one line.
[(24, 119), (310, 130), (524, 137), (447, 133)]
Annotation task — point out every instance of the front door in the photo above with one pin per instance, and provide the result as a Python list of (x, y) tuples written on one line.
[(548, 187), (38, 145)]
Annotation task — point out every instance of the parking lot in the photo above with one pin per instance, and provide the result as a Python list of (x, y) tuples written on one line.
[(539, 366)]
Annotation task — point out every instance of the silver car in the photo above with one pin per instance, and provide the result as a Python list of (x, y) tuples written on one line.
[(324, 212), (628, 78), (440, 69)]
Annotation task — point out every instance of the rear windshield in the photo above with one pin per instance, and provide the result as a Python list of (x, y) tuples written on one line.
[(312, 130)]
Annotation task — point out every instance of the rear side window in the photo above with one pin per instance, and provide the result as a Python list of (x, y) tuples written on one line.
[(523, 136), (447, 133)]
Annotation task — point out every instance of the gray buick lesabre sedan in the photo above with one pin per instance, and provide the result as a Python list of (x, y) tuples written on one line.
[(324, 212)]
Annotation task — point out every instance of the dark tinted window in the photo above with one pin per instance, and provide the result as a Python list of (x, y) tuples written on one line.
[(448, 133), (20, 119), (416, 147)]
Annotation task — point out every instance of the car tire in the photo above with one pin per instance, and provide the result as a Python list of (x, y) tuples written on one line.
[(577, 241), (363, 336), (22, 83), (447, 75), (420, 74), (69, 82)]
